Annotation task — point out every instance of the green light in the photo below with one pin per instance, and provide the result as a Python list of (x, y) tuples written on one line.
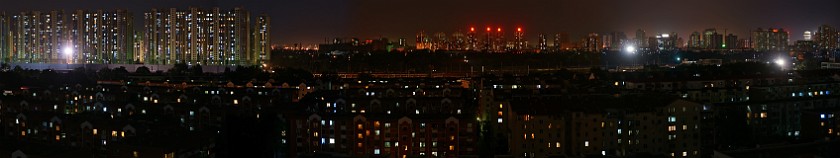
[(724, 45)]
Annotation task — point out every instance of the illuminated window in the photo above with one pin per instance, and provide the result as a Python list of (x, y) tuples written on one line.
[(672, 128), (499, 120), (672, 119), (94, 131), (586, 143), (557, 144), (451, 147), (763, 115)]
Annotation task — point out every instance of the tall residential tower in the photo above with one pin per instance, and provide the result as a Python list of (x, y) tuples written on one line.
[(198, 36)]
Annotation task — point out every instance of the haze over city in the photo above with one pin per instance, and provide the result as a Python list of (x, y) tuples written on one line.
[(420, 78), (311, 22)]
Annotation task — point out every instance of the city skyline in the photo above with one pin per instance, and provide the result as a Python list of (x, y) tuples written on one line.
[(419, 78), (308, 22), (210, 36)]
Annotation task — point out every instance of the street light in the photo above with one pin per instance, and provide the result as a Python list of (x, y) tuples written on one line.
[(630, 49), (780, 62), (68, 51)]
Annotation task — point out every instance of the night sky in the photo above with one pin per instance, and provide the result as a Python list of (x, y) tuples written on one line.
[(313, 21)]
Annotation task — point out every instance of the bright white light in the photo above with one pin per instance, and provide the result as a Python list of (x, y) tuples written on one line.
[(780, 62), (67, 51), (631, 49)]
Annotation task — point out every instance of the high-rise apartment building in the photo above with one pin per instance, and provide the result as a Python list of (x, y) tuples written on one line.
[(641, 38), (592, 42), (772, 39), (562, 41), (664, 42), (101, 37), (472, 41), (38, 37), (543, 43), (5, 38), (192, 36), (198, 36), (518, 39), (695, 40), (827, 37), (422, 42), (731, 42), (262, 39)]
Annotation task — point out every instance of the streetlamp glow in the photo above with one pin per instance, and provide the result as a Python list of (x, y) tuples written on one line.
[(780, 62), (67, 51), (630, 49)]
